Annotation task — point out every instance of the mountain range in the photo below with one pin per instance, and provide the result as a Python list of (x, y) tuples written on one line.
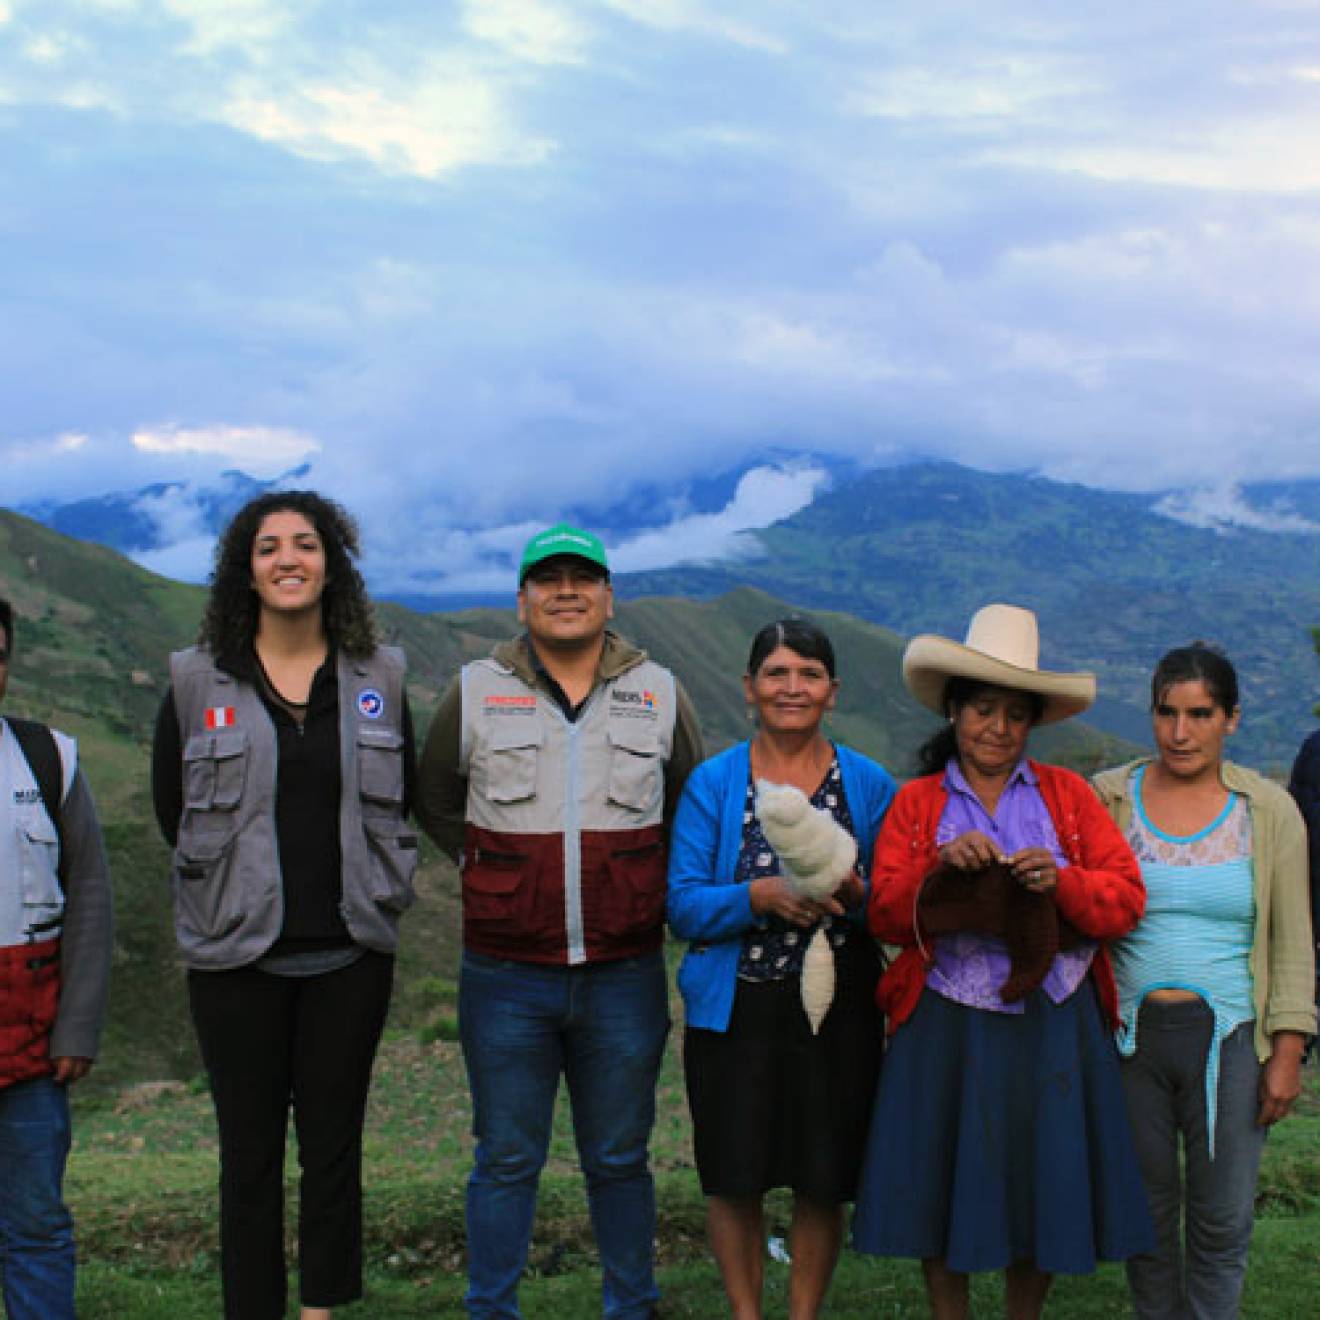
[(1116, 579)]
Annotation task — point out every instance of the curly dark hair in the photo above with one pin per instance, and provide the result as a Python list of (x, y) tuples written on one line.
[(229, 625)]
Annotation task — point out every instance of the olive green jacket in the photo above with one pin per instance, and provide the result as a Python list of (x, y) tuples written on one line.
[(1282, 959)]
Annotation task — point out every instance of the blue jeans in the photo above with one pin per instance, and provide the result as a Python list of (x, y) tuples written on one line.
[(602, 1026), (36, 1231)]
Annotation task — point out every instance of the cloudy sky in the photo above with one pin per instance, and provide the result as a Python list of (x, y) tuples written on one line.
[(480, 263)]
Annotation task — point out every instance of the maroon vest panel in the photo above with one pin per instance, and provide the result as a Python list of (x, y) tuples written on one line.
[(513, 894), (29, 998)]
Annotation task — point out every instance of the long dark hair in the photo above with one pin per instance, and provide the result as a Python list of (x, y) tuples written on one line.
[(229, 624), (942, 746), (800, 636), (1201, 663)]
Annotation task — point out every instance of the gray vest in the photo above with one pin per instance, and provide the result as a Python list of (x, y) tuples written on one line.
[(31, 896), (556, 794), (228, 892)]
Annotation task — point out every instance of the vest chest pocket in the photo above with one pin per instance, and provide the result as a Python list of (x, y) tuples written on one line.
[(512, 755), (636, 770), (380, 766), (43, 900), (214, 768)]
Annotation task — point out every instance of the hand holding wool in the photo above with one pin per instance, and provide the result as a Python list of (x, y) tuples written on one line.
[(817, 855)]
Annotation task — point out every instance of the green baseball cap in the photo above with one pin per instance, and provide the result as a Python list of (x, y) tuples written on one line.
[(562, 539)]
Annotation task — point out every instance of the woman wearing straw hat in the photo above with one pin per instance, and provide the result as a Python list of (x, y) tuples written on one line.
[(999, 1138)]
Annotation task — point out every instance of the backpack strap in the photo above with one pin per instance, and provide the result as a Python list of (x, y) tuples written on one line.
[(37, 744)]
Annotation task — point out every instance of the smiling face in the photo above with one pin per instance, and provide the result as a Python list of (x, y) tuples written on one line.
[(991, 729), (288, 563), (1190, 728), (565, 603), (790, 693)]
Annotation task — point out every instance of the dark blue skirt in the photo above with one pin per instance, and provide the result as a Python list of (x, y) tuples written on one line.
[(998, 1138)]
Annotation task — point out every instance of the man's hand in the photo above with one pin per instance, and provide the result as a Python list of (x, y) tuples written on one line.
[(69, 1069)]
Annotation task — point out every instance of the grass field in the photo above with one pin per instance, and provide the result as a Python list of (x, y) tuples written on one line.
[(142, 1185)]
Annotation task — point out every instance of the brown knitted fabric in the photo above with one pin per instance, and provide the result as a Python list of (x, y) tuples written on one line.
[(992, 902)]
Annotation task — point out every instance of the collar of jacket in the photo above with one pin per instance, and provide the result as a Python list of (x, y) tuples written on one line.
[(1236, 778), (617, 657)]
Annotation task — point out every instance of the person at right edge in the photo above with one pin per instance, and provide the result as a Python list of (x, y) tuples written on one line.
[(1304, 785), (552, 768), (1215, 985)]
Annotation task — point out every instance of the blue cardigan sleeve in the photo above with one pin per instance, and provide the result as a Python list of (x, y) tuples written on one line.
[(704, 903)]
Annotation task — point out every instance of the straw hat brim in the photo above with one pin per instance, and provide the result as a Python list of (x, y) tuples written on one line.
[(929, 662)]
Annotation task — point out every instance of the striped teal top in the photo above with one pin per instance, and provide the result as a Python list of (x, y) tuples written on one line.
[(1197, 931)]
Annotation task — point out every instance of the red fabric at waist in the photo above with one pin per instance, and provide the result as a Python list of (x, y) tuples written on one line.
[(29, 1000)]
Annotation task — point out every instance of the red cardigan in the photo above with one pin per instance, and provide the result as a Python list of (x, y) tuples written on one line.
[(1100, 890)]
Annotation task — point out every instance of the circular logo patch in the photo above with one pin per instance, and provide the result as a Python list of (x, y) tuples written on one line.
[(371, 704)]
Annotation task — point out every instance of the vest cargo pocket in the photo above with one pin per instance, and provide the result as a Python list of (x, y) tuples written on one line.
[(638, 884), (43, 900), (393, 863), (380, 766), (204, 905), (491, 881), (214, 767), (636, 770)]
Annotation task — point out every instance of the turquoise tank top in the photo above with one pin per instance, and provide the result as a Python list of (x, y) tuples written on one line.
[(1197, 931)]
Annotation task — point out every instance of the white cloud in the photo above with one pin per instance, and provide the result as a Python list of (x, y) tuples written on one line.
[(229, 26), (439, 120), (1273, 156), (763, 496), (529, 30), (706, 19), (1223, 507), (445, 559), (1006, 88), (261, 449), (185, 561), (175, 513)]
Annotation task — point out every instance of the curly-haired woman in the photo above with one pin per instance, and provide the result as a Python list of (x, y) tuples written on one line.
[(282, 773)]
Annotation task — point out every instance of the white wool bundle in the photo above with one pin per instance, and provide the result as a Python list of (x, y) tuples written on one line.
[(817, 984), (817, 854)]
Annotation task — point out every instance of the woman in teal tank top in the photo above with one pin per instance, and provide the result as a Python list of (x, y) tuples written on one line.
[(1214, 984)]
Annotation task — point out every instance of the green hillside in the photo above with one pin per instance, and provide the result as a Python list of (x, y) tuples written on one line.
[(1115, 583), (94, 632)]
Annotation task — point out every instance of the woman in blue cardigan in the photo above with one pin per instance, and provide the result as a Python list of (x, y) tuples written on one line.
[(774, 1103)]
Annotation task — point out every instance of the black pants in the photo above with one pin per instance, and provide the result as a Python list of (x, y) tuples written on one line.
[(270, 1042)]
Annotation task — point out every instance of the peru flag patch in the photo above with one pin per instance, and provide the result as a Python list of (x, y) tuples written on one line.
[(219, 717)]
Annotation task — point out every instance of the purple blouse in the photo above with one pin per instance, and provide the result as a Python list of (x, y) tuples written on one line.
[(969, 968)]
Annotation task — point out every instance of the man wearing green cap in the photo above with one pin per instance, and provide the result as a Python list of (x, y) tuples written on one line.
[(551, 771)]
